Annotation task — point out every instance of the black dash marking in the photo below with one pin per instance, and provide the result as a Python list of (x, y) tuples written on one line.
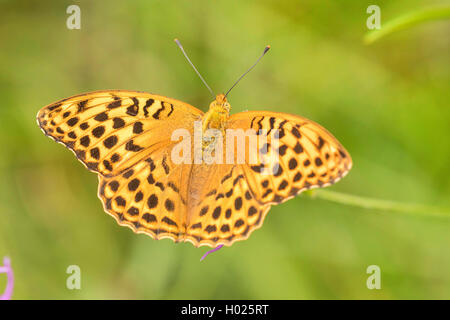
[(169, 205), (82, 105), (169, 221), (196, 226), (157, 113), (210, 228), (120, 201), (171, 110), (298, 148), (216, 212), (114, 185), (152, 202), (51, 108), (321, 143), (204, 211), (239, 223), (149, 217), (134, 184), (137, 127), (173, 187), (85, 141), (148, 104), (107, 165), (252, 211), (241, 176), (130, 146), (225, 178), (95, 153), (296, 133), (238, 203), (73, 121), (101, 117), (292, 164), (282, 185), (99, 131), (268, 191), (282, 150), (133, 211), (318, 161), (115, 104), (110, 142), (165, 166), (128, 174)]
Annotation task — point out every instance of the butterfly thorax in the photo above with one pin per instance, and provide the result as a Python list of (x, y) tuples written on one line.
[(217, 114)]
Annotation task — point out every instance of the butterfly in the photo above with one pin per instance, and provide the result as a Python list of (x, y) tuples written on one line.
[(126, 138)]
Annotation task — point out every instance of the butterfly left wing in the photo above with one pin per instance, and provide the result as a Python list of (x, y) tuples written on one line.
[(125, 136)]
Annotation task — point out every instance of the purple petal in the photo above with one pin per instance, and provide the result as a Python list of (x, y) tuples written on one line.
[(211, 251), (10, 284)]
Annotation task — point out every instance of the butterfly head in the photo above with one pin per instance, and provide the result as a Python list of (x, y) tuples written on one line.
[(217, 114), (220, 105)]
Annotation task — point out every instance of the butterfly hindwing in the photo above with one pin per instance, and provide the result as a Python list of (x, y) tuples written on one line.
[(150, 197), (222, 207)]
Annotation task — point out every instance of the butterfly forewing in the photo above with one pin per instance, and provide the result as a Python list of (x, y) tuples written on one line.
[(110, 131), (306, 156)]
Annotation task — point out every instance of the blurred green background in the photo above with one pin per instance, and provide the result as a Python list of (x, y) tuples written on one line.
[(387, 103)]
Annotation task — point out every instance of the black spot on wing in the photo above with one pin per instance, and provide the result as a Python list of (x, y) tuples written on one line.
[(130, 146)]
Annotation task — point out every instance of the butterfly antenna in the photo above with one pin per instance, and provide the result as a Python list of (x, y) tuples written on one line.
[(192, 65), (265, 51)]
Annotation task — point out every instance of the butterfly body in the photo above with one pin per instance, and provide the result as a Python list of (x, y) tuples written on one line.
[(126, 137)]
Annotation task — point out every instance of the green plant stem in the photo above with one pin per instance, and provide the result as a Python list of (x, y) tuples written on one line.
[(407, 20), (378, 204)]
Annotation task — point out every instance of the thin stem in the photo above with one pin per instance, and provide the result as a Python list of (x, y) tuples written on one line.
[(407, 20), (211, 251), (10, 284), (379, 204)]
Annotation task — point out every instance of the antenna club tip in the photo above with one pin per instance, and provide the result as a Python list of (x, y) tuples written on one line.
[(266, 48)]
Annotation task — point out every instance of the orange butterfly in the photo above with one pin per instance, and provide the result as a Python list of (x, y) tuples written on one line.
[(126, 137)]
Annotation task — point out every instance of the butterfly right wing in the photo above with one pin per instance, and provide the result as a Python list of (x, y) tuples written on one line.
[(229, 201), (222, 208)]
